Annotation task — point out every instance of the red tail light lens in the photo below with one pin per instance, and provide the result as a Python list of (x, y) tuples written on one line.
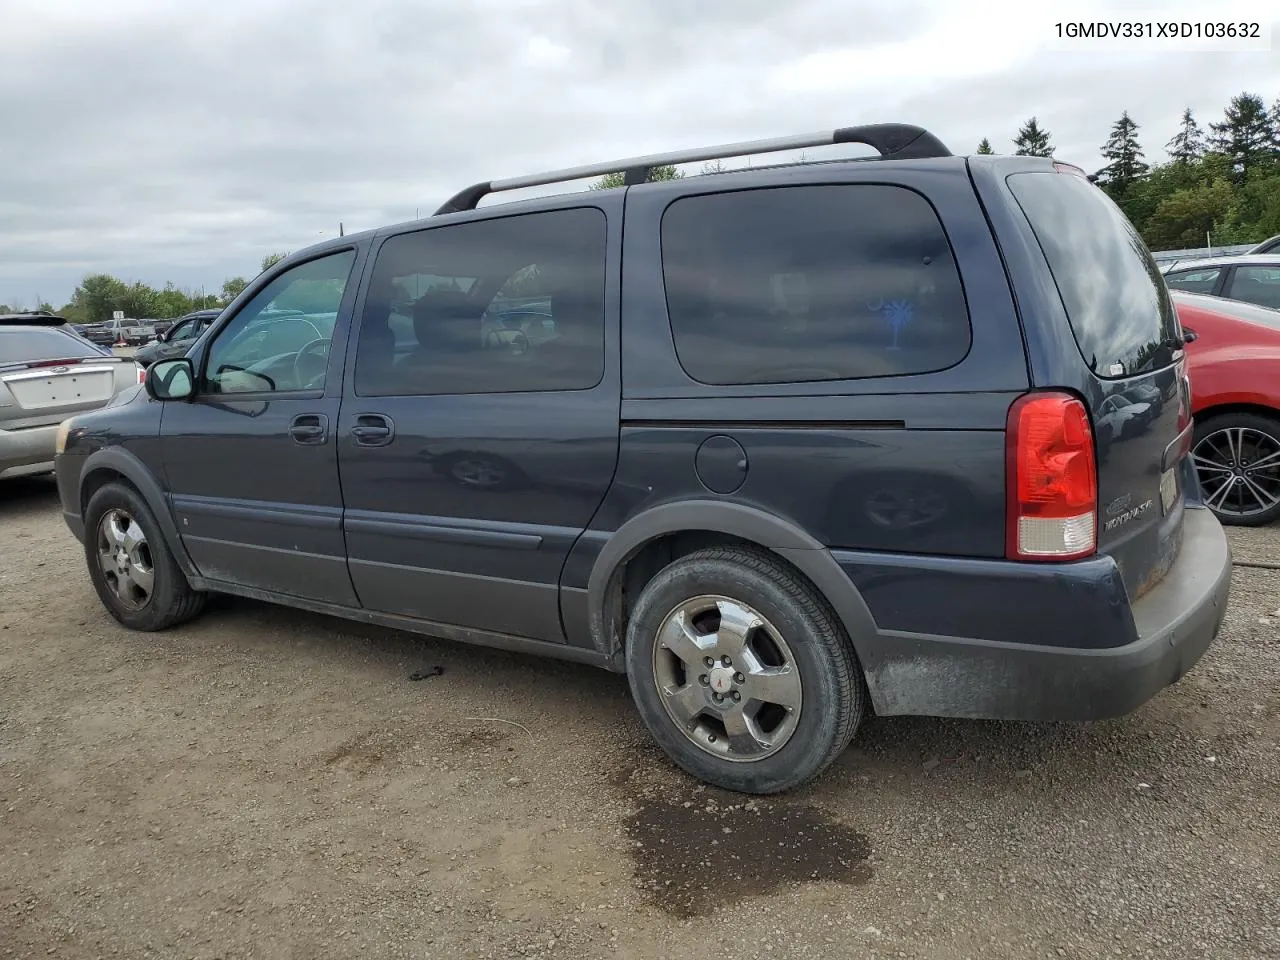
[(1052, 482), (142, 374)]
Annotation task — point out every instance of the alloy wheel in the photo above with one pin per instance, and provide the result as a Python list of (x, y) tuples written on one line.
[(1239, 469), (727, 678), (125, 559)]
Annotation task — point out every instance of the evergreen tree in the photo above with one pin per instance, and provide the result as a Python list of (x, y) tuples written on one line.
[(1245, 134), (1031, 141), (1187, 145), (985, 146), (1124, 157)]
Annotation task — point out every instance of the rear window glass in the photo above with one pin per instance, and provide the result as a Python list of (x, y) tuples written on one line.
[(1115, 299), (811, 283), (25, 345)]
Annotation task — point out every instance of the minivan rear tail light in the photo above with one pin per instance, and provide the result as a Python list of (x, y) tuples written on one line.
[(1052, 479)]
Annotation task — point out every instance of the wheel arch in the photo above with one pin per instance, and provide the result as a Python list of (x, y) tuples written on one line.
[(1257, 409), (652, 539), (113, 464)]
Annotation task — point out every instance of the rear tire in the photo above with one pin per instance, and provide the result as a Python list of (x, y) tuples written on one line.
[(136, 576), (742, 672), (1244, 446)]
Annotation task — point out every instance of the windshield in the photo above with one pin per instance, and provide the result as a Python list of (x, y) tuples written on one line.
[(1116, 301), (25, 345)]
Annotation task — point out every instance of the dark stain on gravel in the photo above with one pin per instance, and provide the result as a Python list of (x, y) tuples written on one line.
[(693, 856)]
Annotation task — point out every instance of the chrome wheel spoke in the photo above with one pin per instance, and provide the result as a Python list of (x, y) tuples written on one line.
[(123, 588), (1265, 500), (107, 561), (1204, 463), (744, 739), (1219, 496), (1270, 462), (143, 579), (736, 624), (775, 685), (678, 636), (686, 703), (132, 538), (113, 525)]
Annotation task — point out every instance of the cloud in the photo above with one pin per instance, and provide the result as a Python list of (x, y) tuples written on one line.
[(165, 141)]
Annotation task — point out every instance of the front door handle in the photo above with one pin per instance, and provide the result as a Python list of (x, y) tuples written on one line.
[(311, 429), (373, 430)]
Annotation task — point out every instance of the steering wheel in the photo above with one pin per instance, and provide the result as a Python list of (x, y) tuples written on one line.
[(315, 350)]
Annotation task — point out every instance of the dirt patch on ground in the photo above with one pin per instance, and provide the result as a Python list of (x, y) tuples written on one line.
[(695, 856)]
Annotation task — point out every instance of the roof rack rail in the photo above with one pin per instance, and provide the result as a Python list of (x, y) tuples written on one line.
[(894, 141)]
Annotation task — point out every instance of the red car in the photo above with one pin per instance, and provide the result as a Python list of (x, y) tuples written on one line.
[(1233, 356)]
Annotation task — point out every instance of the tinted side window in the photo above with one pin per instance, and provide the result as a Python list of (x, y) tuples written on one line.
[(1259, 285), (1115, 299), (791, 284), (183, 330), (1193, 281), (448, 308), (280, 339)]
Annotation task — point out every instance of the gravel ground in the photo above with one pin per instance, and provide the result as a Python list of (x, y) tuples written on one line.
[(265, 783)]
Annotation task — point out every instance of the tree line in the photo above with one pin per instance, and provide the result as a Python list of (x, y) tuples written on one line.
[(1219, 187), (98, 295)]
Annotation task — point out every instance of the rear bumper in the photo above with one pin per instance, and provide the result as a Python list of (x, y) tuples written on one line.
[(959, 677), (27, 451)]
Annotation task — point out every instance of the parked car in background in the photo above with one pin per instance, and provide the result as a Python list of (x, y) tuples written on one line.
[(1233, 353), (175, 341), (47, 373), (82, 331), (820, 442), (1270, 245), (1166, 259), (129, 332), (1251, 278), (97, 333)]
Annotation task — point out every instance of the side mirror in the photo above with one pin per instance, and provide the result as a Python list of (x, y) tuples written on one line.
[(170, 379)]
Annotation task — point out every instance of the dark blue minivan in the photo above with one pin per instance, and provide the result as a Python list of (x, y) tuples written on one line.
[(791, 444)]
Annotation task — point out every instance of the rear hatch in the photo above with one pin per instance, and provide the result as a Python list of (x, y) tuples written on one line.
[(1136, 391), (48, 374)]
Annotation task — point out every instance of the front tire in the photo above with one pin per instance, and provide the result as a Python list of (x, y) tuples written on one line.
[(1237, 458), (131, 566), (741, 671)]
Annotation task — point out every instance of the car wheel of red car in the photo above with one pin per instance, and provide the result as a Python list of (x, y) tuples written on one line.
[(1237, 457)]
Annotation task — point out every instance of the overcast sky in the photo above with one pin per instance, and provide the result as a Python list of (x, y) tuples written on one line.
[(174, 140)]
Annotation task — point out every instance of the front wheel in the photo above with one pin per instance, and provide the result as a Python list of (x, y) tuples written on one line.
[(741, 671), (131, 567), (1237, 458)]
